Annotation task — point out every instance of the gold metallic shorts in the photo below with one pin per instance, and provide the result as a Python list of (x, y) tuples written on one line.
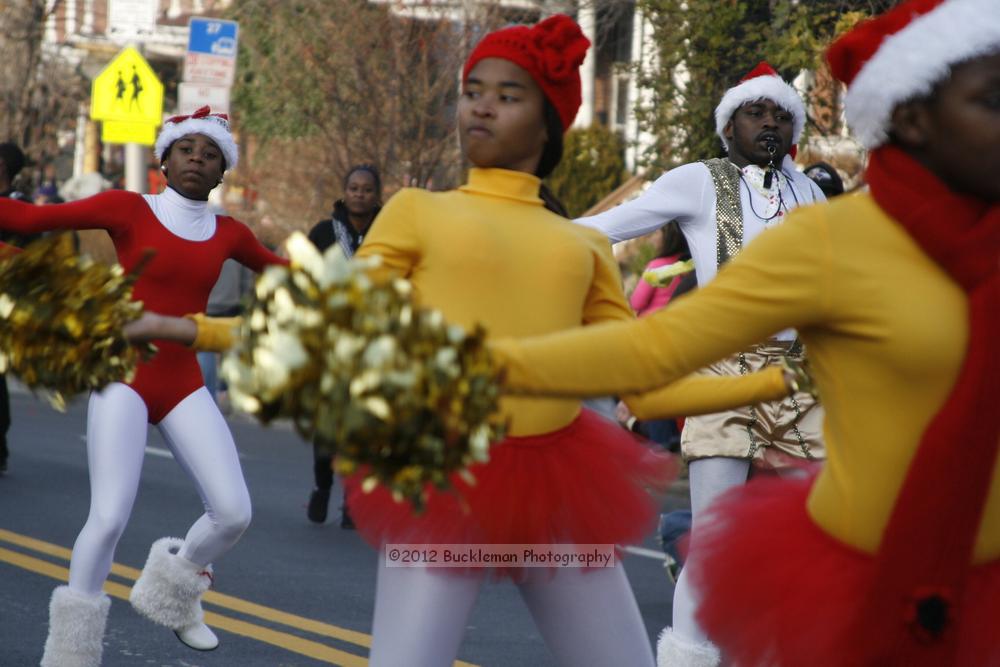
[(769, 433)]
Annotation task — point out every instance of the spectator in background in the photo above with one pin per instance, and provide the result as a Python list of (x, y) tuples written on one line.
[(673, 248), (351, 218), (47, 194), (11, 162), (826, 177), (47, 180)]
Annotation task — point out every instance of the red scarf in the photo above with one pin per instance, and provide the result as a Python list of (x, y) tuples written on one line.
[(927, 548)]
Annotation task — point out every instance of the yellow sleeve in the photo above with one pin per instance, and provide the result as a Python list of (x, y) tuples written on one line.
[(215, 334), (394, 235), (707, 394), (605, 301), (782, 279)]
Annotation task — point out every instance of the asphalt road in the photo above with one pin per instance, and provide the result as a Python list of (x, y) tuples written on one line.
[(290, 594)]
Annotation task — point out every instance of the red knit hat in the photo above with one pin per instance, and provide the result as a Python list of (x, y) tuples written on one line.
[(550, 51), (902, 54)]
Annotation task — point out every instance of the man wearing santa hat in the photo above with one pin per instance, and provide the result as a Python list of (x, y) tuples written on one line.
[(721, 205)]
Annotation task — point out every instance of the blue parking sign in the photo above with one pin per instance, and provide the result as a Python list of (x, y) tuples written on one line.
[(213, 36)]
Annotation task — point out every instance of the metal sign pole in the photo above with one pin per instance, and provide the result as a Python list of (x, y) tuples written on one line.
[(135, 156), (135, 167)]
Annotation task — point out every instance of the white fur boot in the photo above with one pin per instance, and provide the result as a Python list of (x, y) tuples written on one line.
[(672, 651), (76, 629), (169, 592)]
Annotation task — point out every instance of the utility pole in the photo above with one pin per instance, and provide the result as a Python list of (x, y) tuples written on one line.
[(136, 155)]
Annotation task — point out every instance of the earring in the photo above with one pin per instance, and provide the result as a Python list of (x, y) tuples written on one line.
[(163, 168)]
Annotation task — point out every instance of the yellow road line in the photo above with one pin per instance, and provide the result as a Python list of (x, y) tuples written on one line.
[(286, 618), (280, 639), (285, 641), (211, 597)]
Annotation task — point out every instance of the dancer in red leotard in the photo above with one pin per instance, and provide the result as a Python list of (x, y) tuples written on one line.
[(189, 244)]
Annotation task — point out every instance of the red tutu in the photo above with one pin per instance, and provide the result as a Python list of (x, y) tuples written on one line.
[(588, 483), (776, 590)]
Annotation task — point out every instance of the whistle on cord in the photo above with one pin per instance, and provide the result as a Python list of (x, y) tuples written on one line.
[(769, 172)]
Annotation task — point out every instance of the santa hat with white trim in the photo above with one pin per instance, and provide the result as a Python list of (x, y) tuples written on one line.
[(215, 126), (761, 83), (902, 54)]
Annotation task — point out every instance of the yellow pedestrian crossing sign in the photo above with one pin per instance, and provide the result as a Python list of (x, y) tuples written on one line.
[(128, 91)]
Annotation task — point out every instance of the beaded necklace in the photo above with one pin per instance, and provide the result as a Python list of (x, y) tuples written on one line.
[(782, 206)]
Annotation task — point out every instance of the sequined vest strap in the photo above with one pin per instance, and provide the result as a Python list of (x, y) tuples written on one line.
[(728, 209)]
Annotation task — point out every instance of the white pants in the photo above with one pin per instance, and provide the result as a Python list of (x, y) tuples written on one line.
[(588, 619), (708, 478), (200, 441)]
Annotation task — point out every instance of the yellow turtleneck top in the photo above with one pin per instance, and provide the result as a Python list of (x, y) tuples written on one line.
[(886, 331), (490, 253)]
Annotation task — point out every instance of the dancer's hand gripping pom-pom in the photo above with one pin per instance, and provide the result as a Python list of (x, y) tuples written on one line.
[(394, 390), (62, 317)]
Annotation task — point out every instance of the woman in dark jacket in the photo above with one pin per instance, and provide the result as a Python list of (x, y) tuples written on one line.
[(351, 219)]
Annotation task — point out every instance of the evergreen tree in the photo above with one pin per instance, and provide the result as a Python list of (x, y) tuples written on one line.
[(592, 166), (704, 47)]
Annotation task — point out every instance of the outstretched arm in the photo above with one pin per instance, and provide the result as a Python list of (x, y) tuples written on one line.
[(113, 211), (205, 334), (708, 394), (680, 195)]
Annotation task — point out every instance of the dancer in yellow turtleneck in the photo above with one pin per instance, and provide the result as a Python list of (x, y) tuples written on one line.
[(491, 253)]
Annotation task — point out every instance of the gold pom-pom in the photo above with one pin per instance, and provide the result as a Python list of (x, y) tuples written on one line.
[(393, 390), (61, 320)]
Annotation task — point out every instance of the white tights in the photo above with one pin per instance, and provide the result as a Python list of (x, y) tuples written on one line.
[(200, 441), (588, 619), (709, 478)]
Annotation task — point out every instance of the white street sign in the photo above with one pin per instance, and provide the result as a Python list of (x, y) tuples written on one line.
[(208, 69), (193, 96), (131, 19)]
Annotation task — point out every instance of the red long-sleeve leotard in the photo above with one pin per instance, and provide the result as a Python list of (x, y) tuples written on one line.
[(176, 281)]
